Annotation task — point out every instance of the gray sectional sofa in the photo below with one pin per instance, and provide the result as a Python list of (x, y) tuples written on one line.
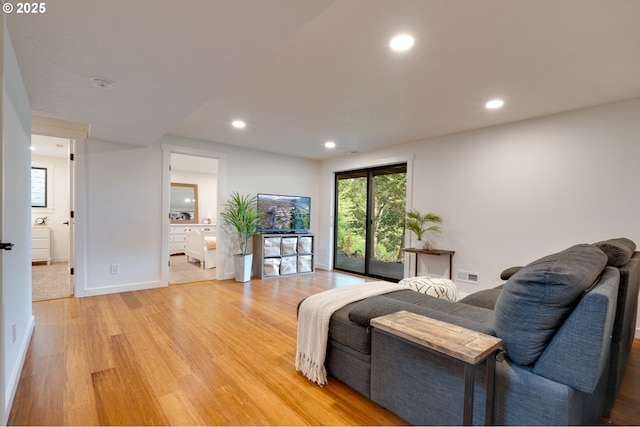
[(566, 321)]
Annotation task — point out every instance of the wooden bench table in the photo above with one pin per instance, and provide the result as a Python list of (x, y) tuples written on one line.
[(454, 342)]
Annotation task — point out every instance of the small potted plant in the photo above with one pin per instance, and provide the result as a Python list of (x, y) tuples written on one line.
[(419, 224), (241, 213)]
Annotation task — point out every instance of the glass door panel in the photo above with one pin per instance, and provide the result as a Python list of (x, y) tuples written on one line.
[(370, 210), (351, 229), (387, 226)]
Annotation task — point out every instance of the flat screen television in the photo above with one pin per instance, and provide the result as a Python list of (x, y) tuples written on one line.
[(284, 214)]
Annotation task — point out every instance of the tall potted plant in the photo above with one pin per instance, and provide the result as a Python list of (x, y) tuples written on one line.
[(419, 224), (241, 213)]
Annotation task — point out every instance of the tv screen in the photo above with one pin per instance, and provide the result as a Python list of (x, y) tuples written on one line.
[(283, 214)]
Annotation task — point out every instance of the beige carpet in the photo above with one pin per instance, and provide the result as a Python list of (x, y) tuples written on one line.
[(182, 271), (49, 281), (52, 281)]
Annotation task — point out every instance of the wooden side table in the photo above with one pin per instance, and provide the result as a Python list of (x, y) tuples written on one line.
[(470, 348), (437, 252)]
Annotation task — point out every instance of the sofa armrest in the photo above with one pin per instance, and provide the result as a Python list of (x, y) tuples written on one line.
[(508, 272), (485, 299), (578, 353)]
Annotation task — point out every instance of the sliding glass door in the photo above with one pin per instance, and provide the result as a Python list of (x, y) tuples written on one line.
[(370, 208)]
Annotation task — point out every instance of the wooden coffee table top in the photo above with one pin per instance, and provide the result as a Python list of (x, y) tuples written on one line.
[(460, 343)]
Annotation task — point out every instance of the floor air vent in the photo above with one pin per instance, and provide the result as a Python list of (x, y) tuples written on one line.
[(468, 276)]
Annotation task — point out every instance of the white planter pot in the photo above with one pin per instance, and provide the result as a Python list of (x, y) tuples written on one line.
[(242, 267), (420, 244)]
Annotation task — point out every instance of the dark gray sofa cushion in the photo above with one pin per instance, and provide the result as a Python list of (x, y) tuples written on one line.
[(619, 251), (538, 298), (344, 331), (349, 325), (475, 318)]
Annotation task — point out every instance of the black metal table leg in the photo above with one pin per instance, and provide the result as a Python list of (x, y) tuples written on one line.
[(469, 379)]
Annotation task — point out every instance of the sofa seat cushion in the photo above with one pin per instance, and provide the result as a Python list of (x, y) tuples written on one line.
[(537, 299), (349, 326), (619, 251), (476, 318), (435, 286)]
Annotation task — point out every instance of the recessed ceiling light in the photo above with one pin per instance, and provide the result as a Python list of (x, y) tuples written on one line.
[(494, 103), (101, 83), (238, 124), (330, 144), (401, 42)]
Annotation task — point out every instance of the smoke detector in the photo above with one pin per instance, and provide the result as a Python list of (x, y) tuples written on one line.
[(101, 83)]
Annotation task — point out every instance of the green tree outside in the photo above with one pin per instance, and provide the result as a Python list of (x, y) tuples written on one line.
[(388, 216)]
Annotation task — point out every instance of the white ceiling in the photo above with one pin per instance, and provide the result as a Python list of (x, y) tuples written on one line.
[(198, 164), (304, 72), (49, 146)]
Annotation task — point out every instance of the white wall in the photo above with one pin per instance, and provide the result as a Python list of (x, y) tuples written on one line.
[(511, 194), (58, 204), (123, 202), (122, 217), (16, 264)]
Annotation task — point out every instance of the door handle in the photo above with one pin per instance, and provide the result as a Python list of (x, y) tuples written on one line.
[(66, 223), (6, 246)]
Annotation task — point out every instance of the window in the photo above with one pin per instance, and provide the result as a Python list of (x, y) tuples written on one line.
[(38, 187)]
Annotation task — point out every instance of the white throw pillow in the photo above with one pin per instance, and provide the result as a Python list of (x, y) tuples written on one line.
[(434, 286)]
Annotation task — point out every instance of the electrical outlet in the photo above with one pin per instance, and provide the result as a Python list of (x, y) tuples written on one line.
[(15, 334), (115, 268)]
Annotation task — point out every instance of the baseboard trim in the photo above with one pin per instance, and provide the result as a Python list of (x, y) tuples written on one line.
[(104, 290), (12, 385), (321, 267)]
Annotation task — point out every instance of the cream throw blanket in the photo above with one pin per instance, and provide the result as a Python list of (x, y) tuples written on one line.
[(313, 323)]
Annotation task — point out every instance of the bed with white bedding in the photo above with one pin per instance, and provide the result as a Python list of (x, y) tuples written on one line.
[(201, 246)]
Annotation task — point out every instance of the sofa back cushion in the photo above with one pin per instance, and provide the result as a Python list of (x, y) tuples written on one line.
[(538, 298)]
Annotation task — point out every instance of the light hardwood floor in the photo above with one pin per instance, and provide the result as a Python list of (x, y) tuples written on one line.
[(205, 353)]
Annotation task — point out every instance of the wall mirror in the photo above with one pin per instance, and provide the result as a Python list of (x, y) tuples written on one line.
[(184, 203)]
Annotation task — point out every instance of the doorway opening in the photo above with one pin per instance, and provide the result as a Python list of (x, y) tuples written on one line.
[(192, 211), (51, 196), (370, 209)]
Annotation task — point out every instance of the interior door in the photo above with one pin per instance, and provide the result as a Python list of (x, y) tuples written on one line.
[(370, 209), (15, 220), (15, 256)]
